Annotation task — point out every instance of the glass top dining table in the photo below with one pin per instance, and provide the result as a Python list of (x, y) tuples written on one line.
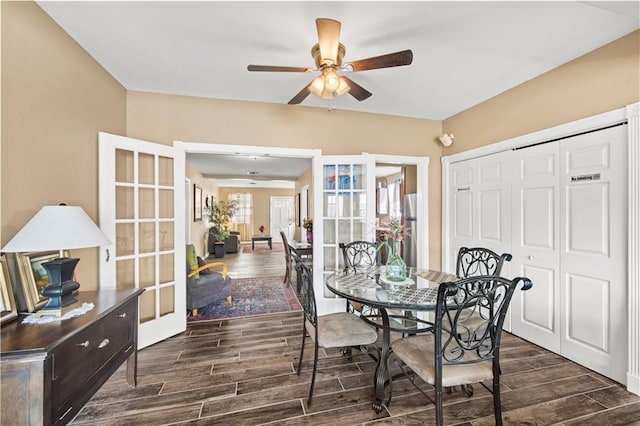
[(390, 306)]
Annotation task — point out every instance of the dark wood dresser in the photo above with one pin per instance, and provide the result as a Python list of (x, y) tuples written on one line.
[(49, 371)]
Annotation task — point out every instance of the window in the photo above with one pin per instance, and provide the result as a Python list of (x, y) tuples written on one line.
[(244, 209)]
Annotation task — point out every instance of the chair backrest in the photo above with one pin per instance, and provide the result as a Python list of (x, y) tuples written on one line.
[(307, 295), (285, 243), (475, 309), (359, 255), (476, 261)]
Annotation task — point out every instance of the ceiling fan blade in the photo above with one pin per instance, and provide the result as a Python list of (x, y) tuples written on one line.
[(301, 96), (355, 90), (328, 38), (396, 59), (275, 68)]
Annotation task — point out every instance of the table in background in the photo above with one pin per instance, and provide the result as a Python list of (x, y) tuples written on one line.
[(368, 287), (301, 248), (267, 238)]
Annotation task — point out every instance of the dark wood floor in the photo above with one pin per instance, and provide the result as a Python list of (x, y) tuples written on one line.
[(242, 372)]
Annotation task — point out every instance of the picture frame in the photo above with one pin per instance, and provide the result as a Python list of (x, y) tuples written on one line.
[(297, 207), (33, 278), (8, 308), (197, 203)]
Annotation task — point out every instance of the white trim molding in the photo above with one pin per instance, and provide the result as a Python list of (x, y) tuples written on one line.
[(633, 250)]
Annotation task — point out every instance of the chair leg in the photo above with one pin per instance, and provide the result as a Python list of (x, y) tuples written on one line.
[(439, 413), (313, 375), (194, 312), (497, 406), (304, 337)]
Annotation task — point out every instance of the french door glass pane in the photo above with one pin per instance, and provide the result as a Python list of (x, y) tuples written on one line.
[(124, 239), (125, 274), (147, 203), (124, 166), (166, 300), (165, 171), (148, 305), (147, 235), (146, 169), (125, 208)]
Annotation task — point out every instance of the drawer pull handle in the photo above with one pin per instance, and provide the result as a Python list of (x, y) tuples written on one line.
[(66, 412), (123, 315), (104, 343), (84, 344)]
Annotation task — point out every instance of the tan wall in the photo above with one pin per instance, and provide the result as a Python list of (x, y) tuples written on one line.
[(199, 228), (55, 99), (165, 118), (603, 80), (260, 197), (305, 179)]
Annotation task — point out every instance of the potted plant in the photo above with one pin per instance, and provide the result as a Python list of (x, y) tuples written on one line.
[(220, 214)]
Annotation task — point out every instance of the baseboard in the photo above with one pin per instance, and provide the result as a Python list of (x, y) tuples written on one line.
[(633, 383)]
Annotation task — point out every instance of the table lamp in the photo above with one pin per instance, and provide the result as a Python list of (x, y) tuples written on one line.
[(58, 228)]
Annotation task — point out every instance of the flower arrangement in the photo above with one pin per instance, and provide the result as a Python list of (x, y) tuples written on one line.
[(261, 229), (308, 225), (391, 235), (390, 231)]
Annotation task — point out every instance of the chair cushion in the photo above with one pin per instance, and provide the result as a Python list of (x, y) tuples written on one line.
[(192, 261), (418, 353), (342, 329), (207, 289)]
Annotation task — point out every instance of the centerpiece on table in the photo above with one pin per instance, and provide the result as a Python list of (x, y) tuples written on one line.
[(308, 225), (391, 236), (261, 229)]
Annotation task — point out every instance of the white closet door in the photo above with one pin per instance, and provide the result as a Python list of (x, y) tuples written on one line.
[(480, 205), (593, 185), (536, 252), (462, 183)]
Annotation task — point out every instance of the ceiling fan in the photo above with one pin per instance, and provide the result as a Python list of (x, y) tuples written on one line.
[(328, 54)]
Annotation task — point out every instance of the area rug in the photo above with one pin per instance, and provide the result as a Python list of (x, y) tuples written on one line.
[(263, 248), (252, 296)]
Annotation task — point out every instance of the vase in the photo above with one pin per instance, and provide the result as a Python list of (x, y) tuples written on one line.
[(310, 237), (396, 268)]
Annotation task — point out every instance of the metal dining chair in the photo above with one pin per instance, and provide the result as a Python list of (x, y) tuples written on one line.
[(466, 354), (336, 330), (479, 261), (357, 257)]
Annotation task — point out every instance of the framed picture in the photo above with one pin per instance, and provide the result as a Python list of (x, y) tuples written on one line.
[(8, 309), (297, 203), (197, 203), (33, 278)]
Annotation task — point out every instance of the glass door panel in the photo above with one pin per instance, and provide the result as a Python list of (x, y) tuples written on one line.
[(138, 191), (344, 210)]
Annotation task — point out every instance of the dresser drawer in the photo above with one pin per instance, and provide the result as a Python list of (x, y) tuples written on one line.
[(78, 359)]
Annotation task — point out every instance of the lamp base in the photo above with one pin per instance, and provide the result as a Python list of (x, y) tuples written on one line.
[(61, 285)]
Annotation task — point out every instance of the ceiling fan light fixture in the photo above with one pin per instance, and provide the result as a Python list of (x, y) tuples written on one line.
[(343, 87), (331, 81), (317, 86)]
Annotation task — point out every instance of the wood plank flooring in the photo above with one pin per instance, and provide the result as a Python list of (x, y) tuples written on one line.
[(242, 372)]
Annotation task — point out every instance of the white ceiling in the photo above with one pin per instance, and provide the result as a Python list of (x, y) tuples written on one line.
[(464, 52)]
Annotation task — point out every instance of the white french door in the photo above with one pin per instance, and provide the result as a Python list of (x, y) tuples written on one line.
[(141, 211), (281, 216), (344, 210)]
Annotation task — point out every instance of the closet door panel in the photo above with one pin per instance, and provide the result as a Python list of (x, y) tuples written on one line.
[(593, 250), (535, 210)]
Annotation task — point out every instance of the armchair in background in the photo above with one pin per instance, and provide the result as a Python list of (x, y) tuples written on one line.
[(205, 286), (232, 242)]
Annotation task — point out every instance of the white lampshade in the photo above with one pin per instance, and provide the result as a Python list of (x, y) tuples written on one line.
[(57, 228)]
